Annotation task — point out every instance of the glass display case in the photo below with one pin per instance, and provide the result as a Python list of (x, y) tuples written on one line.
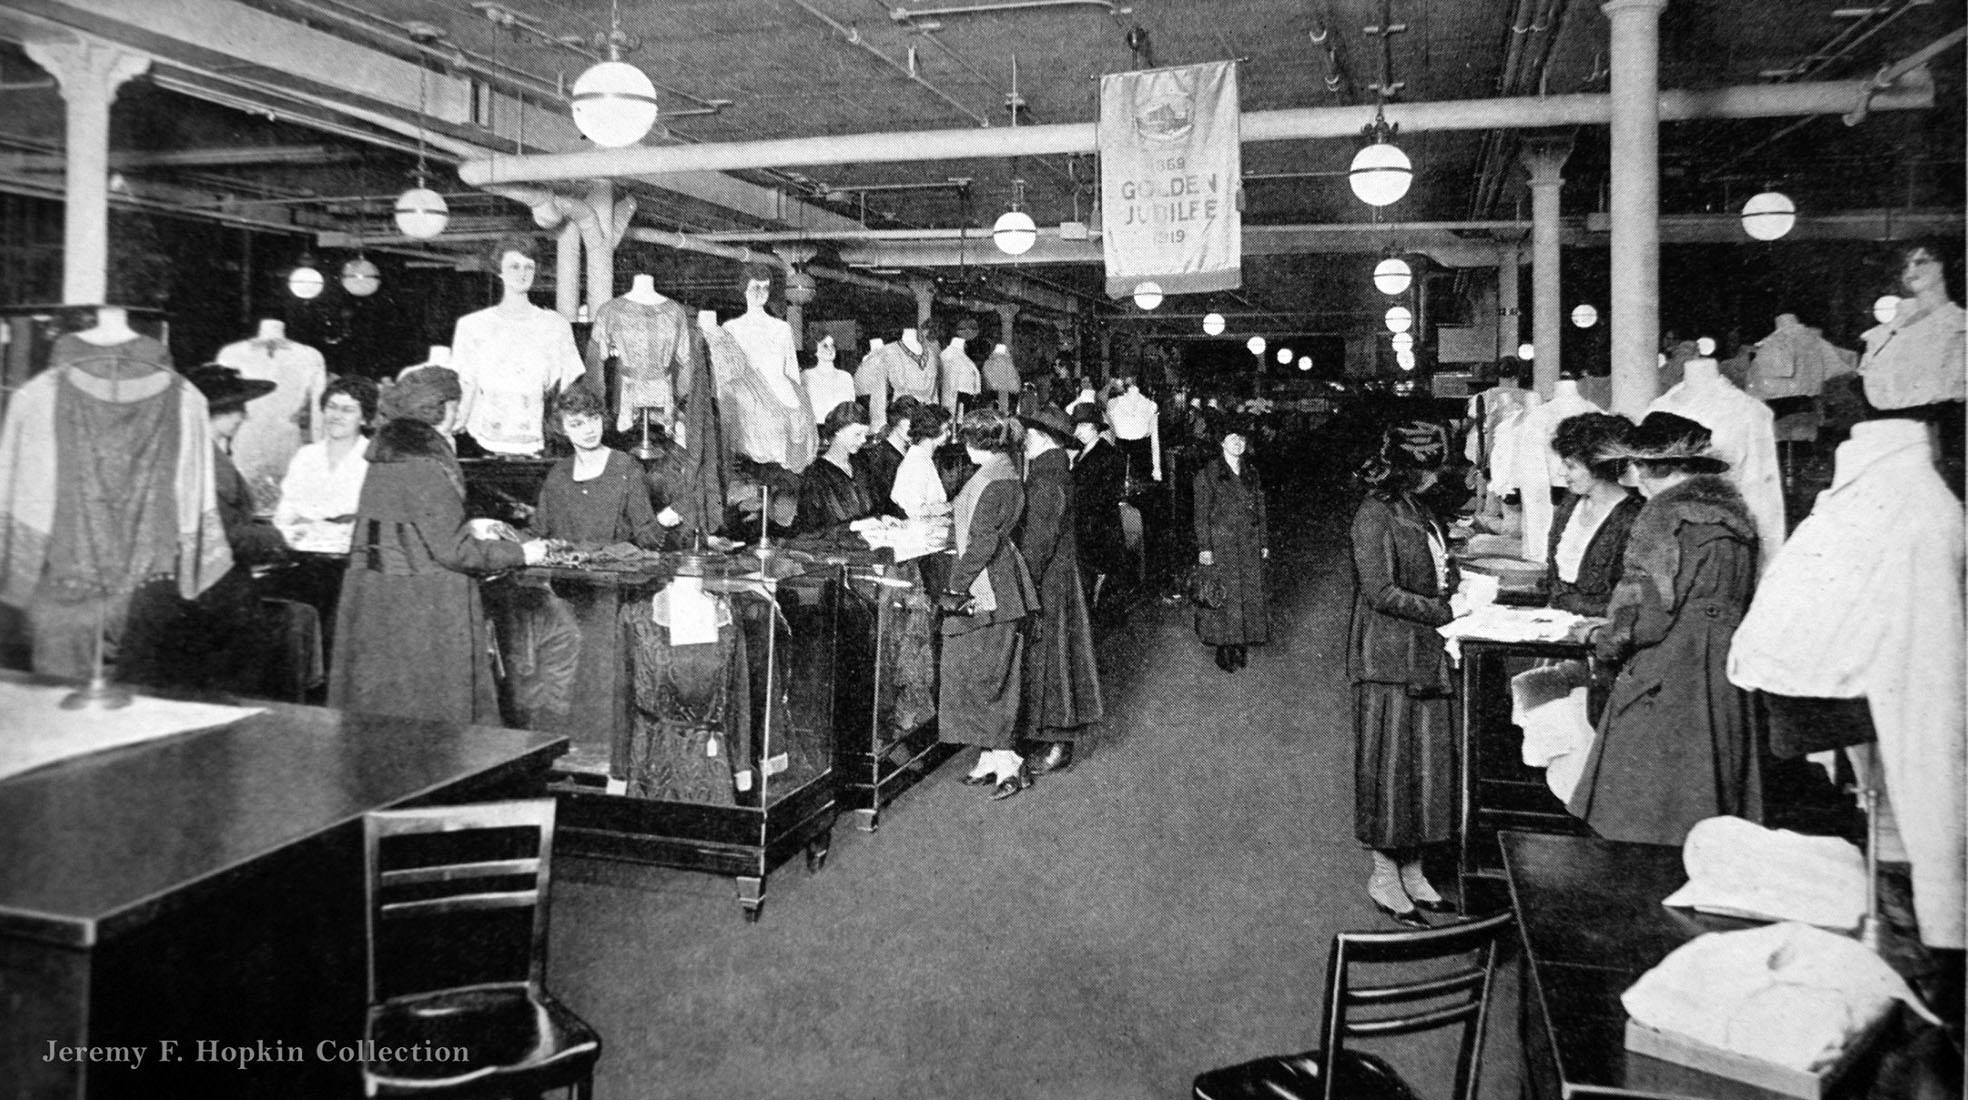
[(885, 703), (718, 749)]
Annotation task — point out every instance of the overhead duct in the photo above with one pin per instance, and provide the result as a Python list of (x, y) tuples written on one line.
[(1913, 92)]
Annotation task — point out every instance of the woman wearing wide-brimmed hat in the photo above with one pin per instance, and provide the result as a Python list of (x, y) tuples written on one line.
[(1677, 742), (1404, 754), (1062, 686)]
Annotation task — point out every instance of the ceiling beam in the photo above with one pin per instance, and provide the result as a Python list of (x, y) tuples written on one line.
[(1914, 91)]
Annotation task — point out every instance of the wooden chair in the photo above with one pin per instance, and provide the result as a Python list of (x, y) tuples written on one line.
[(1357, 1010), (457, 920)]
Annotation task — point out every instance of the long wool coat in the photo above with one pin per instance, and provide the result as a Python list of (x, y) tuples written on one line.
[(1230, 524), (411, 636), (1099, 480), (1397, 602), (1062, 687), (1677, 743)]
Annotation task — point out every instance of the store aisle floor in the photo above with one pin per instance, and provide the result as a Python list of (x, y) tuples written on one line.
[(1164, 907)]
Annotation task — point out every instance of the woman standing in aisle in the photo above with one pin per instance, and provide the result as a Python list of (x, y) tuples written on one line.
[(1232, 540), (412, 638), (1677, 743), (1404, 756), (1062, 686), (990, 594)]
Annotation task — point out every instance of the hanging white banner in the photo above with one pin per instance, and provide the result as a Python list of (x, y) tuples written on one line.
[(1171, 161)]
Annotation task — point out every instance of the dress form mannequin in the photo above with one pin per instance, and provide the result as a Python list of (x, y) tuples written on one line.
[(509, 357), (826, 385), (1137, 428), (775, 424), (961, 378), (910, 366), (912, 340), (1538, 468), (643, 289), (648, 338), (1001, 376), (1744, 433), (112, 327), (278, 423)]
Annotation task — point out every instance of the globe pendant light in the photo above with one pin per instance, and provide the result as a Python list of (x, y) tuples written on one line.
[(1399, 319), (1255, 345), (1705, 345), (614, 103), (1148, 295), (1014, 233), (1886, 308), (1584, 316), (1527, 351), (1212, 324), (1405, 359), (360, 277), (1403, 341), (1769, 215), (1284, 357), (421, 212), (1393, 275), (1304, 362), (1381, 172), (305, 281)]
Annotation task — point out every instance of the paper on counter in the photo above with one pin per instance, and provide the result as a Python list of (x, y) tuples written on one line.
[(1497, 623), (35, 731)]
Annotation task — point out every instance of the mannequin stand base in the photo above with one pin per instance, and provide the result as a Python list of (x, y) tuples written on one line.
[(99, 695)]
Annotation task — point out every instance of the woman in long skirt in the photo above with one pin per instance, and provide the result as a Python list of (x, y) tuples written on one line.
[(990, 594), (1404, 764)]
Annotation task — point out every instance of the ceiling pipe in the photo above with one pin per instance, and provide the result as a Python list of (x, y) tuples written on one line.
[(905, 15), (852, 35), (1916, 91)]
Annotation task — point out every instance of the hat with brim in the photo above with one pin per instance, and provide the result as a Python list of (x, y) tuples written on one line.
[(225, 389), (1668, 439), (1415, 445), (1052, 421), (1086, 412)]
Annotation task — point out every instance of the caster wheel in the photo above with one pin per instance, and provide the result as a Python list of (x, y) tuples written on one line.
[(816, 858)]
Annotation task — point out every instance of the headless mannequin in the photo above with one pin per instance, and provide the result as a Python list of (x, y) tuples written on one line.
[(271, 331), (783, 385), (912, 341), (112, 327), (642, 289)]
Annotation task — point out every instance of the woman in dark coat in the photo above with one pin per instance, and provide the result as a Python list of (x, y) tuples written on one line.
[(1099, 483), (412, 637), (1677, 742), (1588, 535), (833, 488), (990, 594), (1404, 746), (1233, 542), (1062, 686)]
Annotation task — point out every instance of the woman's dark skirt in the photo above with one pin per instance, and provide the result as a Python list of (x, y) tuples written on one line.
[(1404, 767), (982, 681)]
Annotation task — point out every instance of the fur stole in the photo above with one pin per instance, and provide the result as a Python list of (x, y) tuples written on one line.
[(1654, 548)]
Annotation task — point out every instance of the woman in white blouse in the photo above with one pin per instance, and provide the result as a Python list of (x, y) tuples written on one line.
[(324, 481), (919, 490)]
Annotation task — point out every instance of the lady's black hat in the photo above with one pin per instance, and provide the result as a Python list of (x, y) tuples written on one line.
[(1415, 445), (1666, 438), (225, 389), (1050, 420)]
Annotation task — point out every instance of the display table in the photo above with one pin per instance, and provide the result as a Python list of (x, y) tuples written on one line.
[(1591, 922), (1497, 790), (209, 886)]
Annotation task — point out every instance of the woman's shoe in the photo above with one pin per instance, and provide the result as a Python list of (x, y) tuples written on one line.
[(1055, 756), (983, 780), (1384, 890), (1411, 918), (1223, 659), (1421, 891), (1012, 784)]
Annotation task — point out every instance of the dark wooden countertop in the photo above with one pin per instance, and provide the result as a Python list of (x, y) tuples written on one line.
[(100, 842)]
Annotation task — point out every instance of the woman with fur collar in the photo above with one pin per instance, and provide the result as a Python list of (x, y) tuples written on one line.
[(1677, 743)]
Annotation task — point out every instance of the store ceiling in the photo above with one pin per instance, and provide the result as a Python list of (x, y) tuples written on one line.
[(195, 133)]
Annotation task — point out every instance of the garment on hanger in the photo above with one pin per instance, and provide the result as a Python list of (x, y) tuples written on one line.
[(1865, 600), (279, 422), (1915, 359), (1000, 373), (651, 345), (960, 373), (1794, 361), (690, 714), (766, 418), (1136, 421), (1538, 468), (506, 365), (1745, 436), (1491, 408), (106, 485)]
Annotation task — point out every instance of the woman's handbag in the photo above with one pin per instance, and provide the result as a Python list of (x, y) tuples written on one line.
[(1207, 589)]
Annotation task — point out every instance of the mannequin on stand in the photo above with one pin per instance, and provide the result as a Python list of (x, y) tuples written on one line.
[(277, 424), (961, 379), (510, 357), (909, 367), (108, 501), (776, 424), (648, 338), (826, 385), (1001, 379), (1744, 436), (1137, 428), (1537, 469)]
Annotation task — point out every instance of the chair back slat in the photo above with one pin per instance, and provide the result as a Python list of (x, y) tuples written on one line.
[(457, 895), (458, 872), (1466, 990)]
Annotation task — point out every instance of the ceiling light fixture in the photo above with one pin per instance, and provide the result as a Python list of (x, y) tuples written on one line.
[(1213, 324), (1015, 232), (1255, 345), (1284, 357), (1405, 360), (1148, 295), (1393, 275), (1527, 351), (1584, 315), (360, 277), (305, 281), (1399, 318), (421, 212), (1380, 173), (1769, 215), (1402, 341), (1886, 308), (1304, 362), (1705, 345), (614, 102)]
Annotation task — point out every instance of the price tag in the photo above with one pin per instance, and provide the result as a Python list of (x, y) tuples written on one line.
[(744, 779), (711, 747), (776, 764)]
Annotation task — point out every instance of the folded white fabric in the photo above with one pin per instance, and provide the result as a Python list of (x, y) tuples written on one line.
[(1789, 993), (1497, 623), (1742, 869), (1548, 704)]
